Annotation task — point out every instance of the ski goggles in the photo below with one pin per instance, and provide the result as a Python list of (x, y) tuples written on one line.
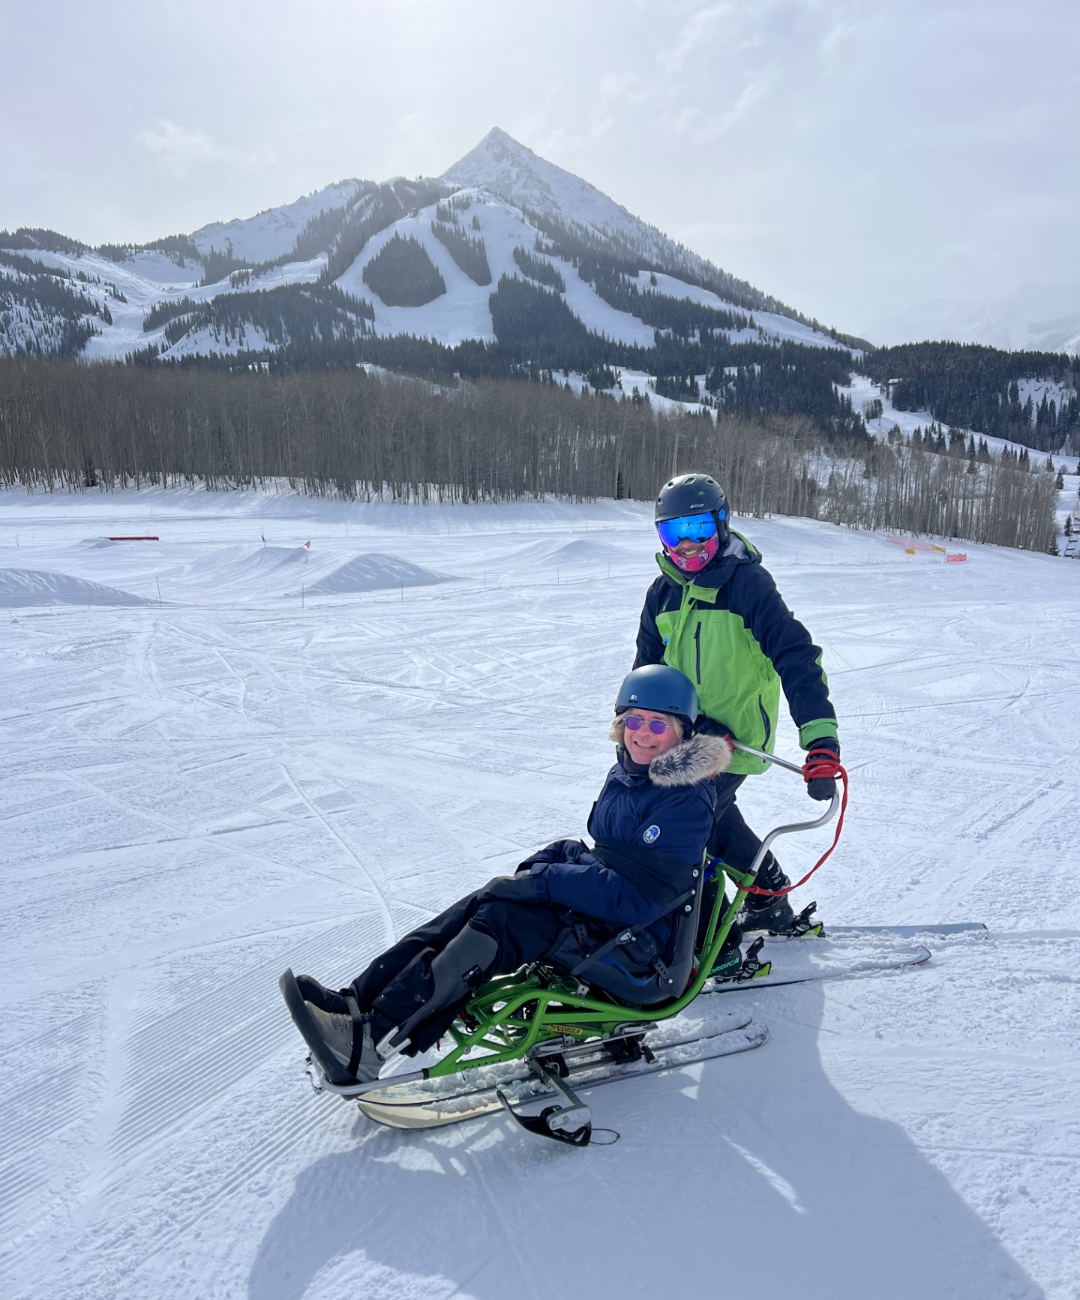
[(656, 725), (693, 528)]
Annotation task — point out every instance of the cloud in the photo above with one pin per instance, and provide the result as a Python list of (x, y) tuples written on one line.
[(693, 33), (178, 150), (758, 87), (704, 128), (625, 87), (834, 48)]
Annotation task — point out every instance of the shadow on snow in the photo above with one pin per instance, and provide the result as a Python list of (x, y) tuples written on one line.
[(758, 1180)]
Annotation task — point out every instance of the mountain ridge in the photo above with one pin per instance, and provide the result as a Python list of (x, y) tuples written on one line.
[(1034, 317), (320, 238)]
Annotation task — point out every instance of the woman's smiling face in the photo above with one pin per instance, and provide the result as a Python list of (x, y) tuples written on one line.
[(643, 745)]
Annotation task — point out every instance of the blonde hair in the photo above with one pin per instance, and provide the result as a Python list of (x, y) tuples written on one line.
[(618, 729)]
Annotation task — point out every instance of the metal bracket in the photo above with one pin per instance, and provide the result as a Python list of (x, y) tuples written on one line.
[(570, 1122)]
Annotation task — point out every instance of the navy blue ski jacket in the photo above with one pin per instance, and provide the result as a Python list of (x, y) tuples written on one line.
[(650, 826)]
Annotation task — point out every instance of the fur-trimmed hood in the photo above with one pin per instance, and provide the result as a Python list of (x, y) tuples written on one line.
[(696, 759)]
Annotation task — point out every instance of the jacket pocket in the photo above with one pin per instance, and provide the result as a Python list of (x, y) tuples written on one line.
[(764, 722)]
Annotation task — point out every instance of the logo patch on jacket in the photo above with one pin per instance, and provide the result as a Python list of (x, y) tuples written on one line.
[(651, 835)]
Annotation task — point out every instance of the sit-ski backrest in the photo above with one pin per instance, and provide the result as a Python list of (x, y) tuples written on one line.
[(636, 983)]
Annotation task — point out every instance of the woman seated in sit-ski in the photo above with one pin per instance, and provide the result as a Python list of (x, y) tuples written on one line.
[(650, 826)]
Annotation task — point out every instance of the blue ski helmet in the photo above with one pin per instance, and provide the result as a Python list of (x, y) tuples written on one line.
[(661, 689)]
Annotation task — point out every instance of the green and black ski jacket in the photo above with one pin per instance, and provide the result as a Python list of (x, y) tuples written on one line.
[(727, 628)]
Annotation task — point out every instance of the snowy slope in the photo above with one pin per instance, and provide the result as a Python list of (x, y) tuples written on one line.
[(503, 167), (1040, 317), (200, 792), (272, 233), (770, 327), (862, 390), (463, 311)]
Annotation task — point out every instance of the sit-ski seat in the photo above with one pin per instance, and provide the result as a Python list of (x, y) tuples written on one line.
[(631, 967)]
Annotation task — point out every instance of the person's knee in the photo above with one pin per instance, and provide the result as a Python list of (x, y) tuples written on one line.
[(466, 960)]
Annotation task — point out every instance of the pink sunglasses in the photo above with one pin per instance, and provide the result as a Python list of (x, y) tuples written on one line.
[(656, 725)]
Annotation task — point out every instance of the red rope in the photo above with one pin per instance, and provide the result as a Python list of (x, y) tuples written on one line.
[(821, 764)]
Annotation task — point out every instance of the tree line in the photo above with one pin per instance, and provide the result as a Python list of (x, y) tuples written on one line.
[(979, 387), (469, 253), (68, 426), (403, 275)]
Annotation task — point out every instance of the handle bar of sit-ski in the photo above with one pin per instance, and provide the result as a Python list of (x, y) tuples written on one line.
[(792, 827)]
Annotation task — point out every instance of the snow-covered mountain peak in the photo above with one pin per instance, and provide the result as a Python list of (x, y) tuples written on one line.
[(503, 167)]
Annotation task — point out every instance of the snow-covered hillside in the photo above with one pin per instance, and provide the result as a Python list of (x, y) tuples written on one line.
[(863, 391), (463, 311), (502, 179), (201, 791), (1036, 317), (273, 233)]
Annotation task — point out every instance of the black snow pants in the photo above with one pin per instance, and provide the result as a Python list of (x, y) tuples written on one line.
[(400, 982), (731, 838)]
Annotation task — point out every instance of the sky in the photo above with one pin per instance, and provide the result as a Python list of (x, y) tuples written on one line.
[(852, 157)]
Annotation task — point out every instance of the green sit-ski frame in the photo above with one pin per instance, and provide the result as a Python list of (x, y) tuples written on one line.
[(509, 1015), (512, 1015)]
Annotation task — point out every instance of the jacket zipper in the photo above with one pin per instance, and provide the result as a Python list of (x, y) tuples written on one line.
[(765, 721), (697, 649)]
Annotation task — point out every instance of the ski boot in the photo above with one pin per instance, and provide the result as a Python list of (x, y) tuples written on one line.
[(337, 1033), (760, 912), (729, 958), (732, 966)]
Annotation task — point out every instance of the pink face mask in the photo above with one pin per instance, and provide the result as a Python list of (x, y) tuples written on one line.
[(694, 564)]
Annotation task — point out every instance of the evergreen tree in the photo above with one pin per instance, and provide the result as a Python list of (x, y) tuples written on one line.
[(403, 275)]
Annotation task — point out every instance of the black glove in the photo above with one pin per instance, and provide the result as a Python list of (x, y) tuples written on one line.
[(822, 788), (706, 726)]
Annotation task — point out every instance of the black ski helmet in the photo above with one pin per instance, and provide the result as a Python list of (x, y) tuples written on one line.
[(660, 689), (693, 494)]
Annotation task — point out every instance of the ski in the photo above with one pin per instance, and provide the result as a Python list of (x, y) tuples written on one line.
[(837, 955), (913, 931), (425, 1105)]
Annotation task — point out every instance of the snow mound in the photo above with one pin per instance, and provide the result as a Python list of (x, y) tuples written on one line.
[(584, 550), (372, 572), (20, 587), (234, 563), (580, 551)]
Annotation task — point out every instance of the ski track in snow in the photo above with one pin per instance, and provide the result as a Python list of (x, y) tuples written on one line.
[(203, 791)]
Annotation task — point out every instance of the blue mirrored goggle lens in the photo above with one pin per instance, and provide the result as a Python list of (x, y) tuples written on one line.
[(696, 528)]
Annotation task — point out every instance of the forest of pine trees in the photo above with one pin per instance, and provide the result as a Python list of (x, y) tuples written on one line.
[(468, 252), (539, 269), (979, 387), (67, 426), (613, 281), (292, 315), (48, 298), (403, 275)]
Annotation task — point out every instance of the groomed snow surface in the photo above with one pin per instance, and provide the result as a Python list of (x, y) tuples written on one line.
[(245, 776)]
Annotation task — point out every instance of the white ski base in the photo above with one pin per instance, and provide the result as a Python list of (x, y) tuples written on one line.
[(832, 956), (427, 1105), (910, 931)]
